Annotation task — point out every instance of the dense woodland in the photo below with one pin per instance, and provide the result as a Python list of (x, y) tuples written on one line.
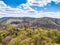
[(29, 33), (29, 36)]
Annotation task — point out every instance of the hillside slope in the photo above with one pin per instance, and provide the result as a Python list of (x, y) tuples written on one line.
[(31, 22)]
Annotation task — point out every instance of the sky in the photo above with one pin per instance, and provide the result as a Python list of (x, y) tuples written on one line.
[(30, 8)]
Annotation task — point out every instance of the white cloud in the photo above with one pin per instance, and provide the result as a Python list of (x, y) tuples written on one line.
[(25, 11), (50, 14), (56, 0), (41, 2), (15, 12)]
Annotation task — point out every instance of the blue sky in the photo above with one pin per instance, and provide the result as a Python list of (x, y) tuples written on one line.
[(30, 8), (50, 7), (14, 3)]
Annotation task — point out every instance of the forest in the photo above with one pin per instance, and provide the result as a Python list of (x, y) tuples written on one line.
[(28, 33)]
